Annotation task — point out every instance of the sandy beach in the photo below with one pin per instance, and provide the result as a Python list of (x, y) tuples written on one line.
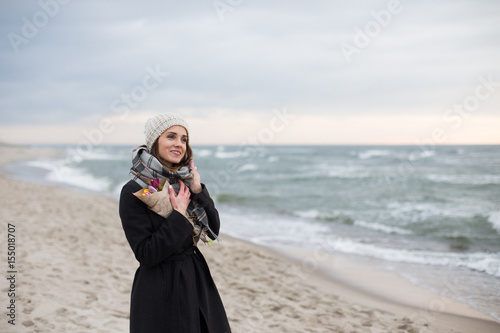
[(74, 271)]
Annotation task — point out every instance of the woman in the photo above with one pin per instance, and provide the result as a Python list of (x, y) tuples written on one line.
[(173, 290)]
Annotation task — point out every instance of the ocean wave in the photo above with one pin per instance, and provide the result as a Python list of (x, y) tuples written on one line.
[(231, 154), (96, 155), (314, 214), (494, 219), (344, 218), (59, 171), (417, 212), (421, 154), (412, 212), (335, 171), (279, 231), (464, 179), (347, 173), (275, 230), (488, 263), (202, 152), (270, 229), (382, 228), (373, 153), (308, 214), (248, 167)]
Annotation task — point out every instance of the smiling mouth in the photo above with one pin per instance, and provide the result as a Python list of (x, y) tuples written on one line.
[(176, 152)]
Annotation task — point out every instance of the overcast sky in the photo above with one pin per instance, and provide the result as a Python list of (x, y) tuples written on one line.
[(276, 72)]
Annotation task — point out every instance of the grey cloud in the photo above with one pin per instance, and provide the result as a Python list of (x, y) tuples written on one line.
[(263, 55)]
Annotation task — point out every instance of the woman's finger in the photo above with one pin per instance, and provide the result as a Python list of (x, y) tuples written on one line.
[(173, 200), (184, 190), (193, 168)]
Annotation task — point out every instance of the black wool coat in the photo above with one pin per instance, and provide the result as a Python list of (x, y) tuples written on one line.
[(173, 290)]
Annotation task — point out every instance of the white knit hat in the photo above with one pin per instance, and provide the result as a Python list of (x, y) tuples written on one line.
[(158, 124)]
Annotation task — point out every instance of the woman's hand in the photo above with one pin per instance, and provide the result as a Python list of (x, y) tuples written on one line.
[(181, 201), (196, 184)]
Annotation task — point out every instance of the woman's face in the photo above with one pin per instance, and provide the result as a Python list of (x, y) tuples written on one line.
[(172, 144)]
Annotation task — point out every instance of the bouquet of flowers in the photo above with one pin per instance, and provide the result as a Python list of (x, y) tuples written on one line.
[(158, 201), (155, 198)]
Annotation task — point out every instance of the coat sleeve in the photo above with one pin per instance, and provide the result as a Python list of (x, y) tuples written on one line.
[(150, 246), (204, 199)]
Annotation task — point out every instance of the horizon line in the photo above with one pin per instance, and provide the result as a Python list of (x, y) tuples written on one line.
[(3, 143)]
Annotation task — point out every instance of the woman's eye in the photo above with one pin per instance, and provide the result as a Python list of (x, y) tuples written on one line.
[(170, 136), (184, 140)]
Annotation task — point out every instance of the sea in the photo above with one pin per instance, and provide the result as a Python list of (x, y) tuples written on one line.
[(428, 213)]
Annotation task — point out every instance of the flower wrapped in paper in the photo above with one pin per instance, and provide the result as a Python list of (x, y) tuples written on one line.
[(155, 198), (158, 200)]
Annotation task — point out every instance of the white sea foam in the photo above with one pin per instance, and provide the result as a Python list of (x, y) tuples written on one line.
[(79, 178), (248, 167), (421, 154), (465, 179), (337, 171), (231, 154), (308, 214), (347, 173), (271, 230), (48, 165), (61, 171), (96, 154), (279, 231), (494, 219), (482, 262), (412, 212), (382, 228), (202, 152), (373, 153), (416, 212)]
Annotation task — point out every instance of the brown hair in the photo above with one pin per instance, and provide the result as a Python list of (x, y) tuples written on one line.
[(173, 167)]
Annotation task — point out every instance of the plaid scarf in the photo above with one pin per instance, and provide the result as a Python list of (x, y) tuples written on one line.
[(146, 167)]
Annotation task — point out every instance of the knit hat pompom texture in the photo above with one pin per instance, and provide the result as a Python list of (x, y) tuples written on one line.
[(158, 124)]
